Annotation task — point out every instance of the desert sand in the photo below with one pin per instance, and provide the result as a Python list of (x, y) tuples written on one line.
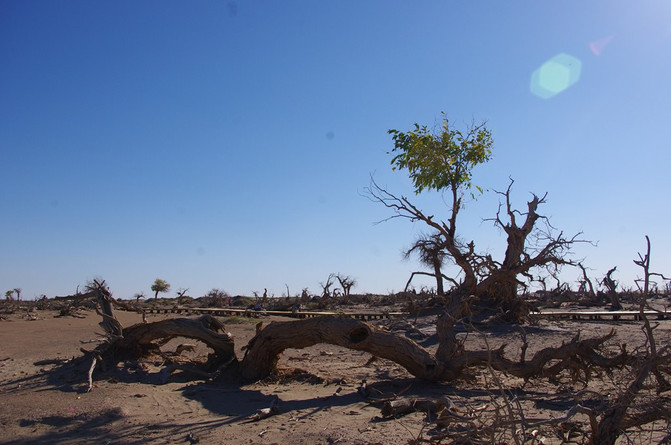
[(45, 399)]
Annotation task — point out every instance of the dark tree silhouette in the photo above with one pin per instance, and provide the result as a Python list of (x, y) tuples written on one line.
[(159, 286)]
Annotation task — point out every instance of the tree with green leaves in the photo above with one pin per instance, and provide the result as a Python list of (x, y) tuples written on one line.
[(9, 293), (159, 286), (444, 161)]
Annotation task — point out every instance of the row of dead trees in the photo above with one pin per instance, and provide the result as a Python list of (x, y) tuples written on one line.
[(329, 292), (9, 295), (586, 294)]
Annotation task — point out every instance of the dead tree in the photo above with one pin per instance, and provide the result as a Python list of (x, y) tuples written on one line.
[(644, 262), (143, 339), (430, 250), (326, 286), (327, 293), (305, 296), (528, 247), (448, 364), (635, 407), (346, 283), (263, 351), (586, 283), (429, 274), (618, 417), (611, 288), (494, 283), (109, 322)]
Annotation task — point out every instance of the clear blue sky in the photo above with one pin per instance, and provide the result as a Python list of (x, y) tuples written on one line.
[(225, 145)]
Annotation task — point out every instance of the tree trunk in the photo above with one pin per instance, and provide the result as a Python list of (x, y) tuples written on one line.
[(470, 281), (109, 322), (439, 278), (265, 348), (499, 291), (611, 285), (448, 345), (615, 304), (506, 293), (448, 365), (500, 287), (140, 338)]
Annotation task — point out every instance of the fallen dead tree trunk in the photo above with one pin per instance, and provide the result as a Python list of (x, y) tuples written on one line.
[(406, 405), (264, 349), (142, 338)]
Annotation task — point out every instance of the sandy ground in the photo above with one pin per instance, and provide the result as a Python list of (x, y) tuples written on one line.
[(43, 401)]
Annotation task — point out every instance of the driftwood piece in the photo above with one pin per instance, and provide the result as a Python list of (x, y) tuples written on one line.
[(264, 413), (407, 405), (442, 407), (51, 361)]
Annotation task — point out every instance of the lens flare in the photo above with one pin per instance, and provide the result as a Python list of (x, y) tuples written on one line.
[(555, 76), (598, 46)]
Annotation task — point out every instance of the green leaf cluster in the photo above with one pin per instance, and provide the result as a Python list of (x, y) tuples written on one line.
[(437, 161), (160, 286)]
